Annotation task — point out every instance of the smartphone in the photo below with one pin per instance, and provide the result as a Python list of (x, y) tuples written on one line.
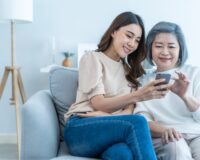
[(165, 76)]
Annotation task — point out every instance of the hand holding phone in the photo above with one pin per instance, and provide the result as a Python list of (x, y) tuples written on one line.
[(165, 76)]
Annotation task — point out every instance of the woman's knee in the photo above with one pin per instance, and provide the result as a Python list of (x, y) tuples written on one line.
[(141, 120), (119, 151), (136, 121), (140, 126), (177, 150)]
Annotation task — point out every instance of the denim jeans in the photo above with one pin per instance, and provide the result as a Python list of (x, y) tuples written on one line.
[(110, 138)]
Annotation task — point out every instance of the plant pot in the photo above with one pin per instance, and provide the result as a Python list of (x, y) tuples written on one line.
[(67, 62)]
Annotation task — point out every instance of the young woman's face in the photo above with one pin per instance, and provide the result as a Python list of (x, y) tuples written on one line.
[(165, 51), (126, 40)]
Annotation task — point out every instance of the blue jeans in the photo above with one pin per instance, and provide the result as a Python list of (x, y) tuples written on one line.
[(110, 137)]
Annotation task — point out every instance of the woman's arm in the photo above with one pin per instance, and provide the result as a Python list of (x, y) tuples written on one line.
[(112, 104), (156, 129), (125, 111), (180, 87), (192, 103)]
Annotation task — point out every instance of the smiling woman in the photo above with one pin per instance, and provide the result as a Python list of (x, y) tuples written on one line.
[(91, 128), (175, 120), (165, 51), (125, 41)]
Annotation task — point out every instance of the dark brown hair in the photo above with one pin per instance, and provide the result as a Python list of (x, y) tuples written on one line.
[(133, 66)]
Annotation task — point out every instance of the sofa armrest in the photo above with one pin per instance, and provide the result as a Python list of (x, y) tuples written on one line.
[(39, 128)]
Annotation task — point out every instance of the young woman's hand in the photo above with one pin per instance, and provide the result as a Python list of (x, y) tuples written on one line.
[(180, 85), (93, 114), (153, 90), (170, 135)]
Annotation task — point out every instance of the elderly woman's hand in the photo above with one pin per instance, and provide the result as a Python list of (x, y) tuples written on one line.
[(180, 85), (170, 135)]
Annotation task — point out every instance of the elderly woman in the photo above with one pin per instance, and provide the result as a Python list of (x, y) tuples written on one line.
[(175, 120)]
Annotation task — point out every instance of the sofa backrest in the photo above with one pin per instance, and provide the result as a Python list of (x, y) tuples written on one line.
[(63, 83)]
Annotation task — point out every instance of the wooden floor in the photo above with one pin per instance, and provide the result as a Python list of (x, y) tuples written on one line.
[(8, 152)]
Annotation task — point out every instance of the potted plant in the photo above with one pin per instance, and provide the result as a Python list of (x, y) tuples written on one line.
[(67, 61)]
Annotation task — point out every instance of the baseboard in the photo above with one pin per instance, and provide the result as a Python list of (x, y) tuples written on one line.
[(8, 138)]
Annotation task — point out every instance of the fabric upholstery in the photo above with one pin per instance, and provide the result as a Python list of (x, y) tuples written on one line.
[(63, 83), (42, 118), (39, 128)]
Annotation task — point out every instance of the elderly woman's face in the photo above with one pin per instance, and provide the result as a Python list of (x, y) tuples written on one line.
[(165, 51)]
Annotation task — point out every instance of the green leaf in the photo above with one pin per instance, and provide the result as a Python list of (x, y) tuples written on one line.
[(68, 54)]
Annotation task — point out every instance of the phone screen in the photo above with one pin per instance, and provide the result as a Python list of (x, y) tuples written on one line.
[(165, 76)]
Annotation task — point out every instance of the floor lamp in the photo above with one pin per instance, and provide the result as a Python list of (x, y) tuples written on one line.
[(15, 11)]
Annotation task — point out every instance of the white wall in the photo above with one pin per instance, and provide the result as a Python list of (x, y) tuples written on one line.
[(76, 21)]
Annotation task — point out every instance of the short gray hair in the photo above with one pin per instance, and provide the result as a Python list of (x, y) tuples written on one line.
[(167, 27)]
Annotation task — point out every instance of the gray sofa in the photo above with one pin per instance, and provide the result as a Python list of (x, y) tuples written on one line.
[(42, 120)]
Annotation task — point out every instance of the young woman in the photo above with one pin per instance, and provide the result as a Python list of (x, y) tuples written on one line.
[(175, 120), (96, 125)]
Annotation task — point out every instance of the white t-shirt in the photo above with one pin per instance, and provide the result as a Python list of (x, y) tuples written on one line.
[(171, 111), (98, 75)]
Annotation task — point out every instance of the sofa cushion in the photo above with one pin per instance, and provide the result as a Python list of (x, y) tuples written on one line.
[(63, 86)]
